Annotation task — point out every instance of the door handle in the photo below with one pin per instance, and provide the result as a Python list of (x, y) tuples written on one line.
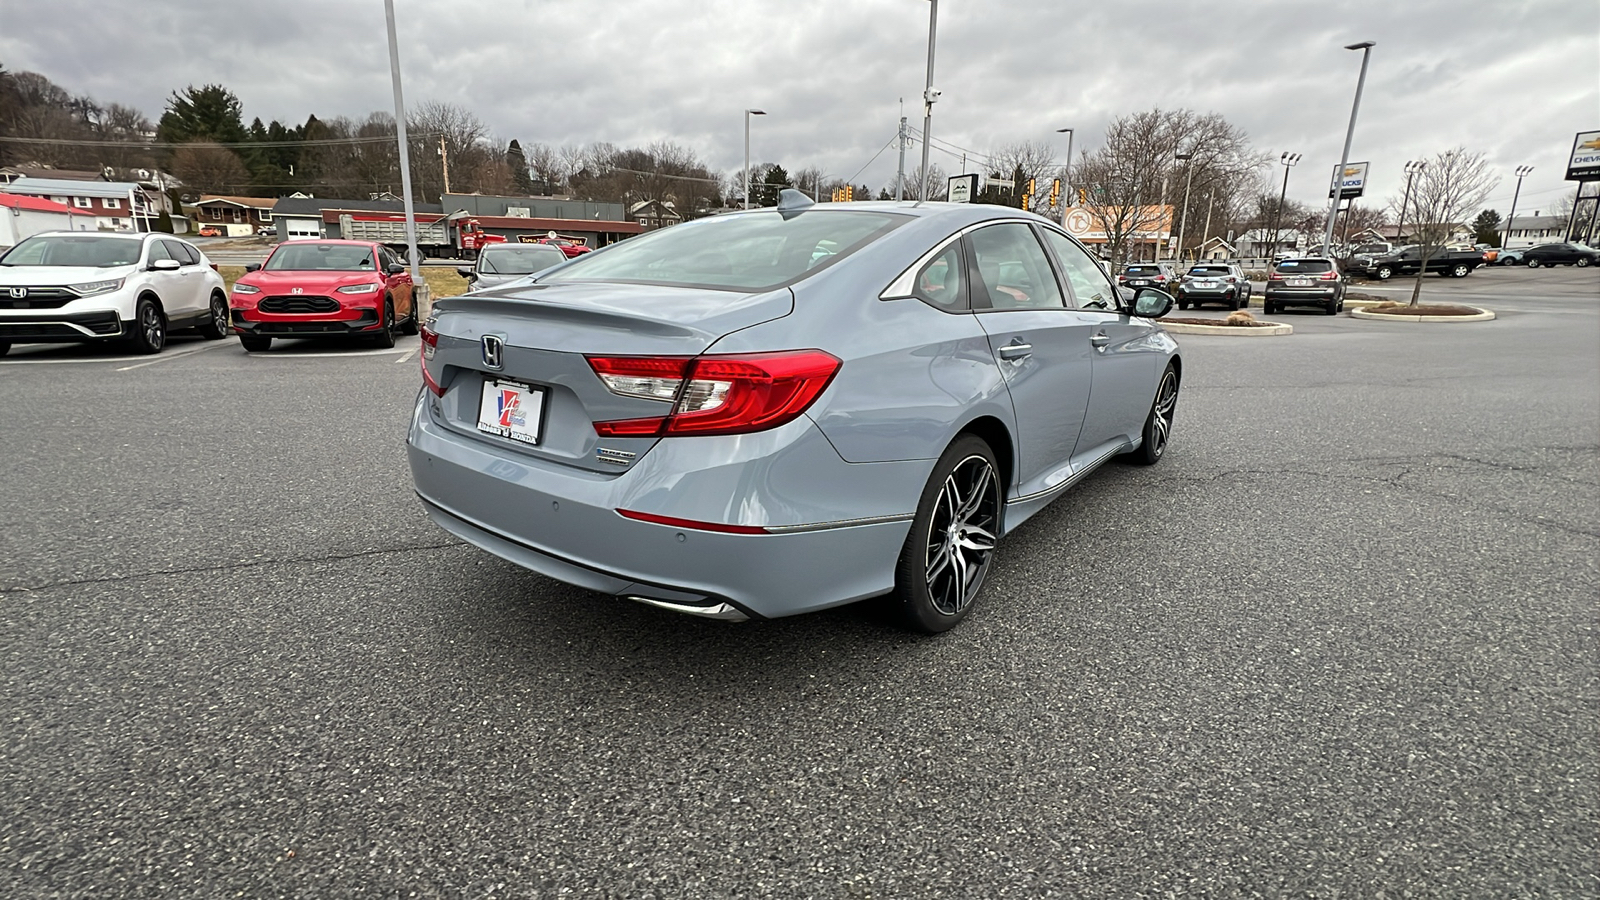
[(1100, 340), (1016, 350)]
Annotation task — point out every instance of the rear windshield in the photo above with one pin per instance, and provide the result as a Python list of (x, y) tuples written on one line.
[(1209, 270), (304, 256), (1143, 270), (1304, 266), (754, 251), (520, 260), (88, 251)]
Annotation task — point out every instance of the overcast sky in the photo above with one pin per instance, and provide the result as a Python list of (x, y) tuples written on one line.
[(1512, 78)]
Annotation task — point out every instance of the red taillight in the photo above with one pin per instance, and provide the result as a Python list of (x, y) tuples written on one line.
[(733, 394), (1330, 276), (430, 346), (691, 523)]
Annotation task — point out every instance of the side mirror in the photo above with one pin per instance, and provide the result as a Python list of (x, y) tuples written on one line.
[(1150, 303), (252, 267), (164, 265), (396, 268), (464, 272)]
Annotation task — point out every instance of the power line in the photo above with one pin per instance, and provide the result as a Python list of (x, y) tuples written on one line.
[(852, 178), (243, 145)]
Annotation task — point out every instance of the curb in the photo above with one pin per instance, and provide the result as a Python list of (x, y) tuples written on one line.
[(1483, 315), (1273, 330)]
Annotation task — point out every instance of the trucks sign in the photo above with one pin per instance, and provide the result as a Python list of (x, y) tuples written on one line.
[(1584, 164), (1352, 181)]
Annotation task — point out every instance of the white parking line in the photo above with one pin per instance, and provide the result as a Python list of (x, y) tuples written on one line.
[(406, 356), (209, 345), (270, 355)]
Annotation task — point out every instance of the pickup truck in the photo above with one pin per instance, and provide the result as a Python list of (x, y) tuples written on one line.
[(1406, 261)]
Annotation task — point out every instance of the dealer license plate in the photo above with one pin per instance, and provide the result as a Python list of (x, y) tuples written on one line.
[(1299, 282), (1140, 283), (1205, 284), (511, 410)]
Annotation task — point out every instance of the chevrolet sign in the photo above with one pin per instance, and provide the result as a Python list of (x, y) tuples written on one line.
[(1584, 164)]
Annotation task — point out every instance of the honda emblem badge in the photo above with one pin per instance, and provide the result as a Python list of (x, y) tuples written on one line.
[(494, 348), (19, 293)]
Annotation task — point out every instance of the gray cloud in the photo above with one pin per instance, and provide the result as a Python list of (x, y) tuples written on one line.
[(1514, 80)]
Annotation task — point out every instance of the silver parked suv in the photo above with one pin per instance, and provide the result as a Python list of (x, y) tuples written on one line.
[(1214, 283), (67, 286)]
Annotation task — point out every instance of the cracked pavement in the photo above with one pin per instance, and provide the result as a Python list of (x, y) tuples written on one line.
[(1341, 642)]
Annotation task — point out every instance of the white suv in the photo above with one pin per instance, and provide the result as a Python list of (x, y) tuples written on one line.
[(64, 286)]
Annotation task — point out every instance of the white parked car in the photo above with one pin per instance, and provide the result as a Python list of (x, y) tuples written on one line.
[(72, 286)]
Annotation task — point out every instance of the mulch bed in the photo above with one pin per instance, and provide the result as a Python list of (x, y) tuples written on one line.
[(1219, 323), (1400, 309)]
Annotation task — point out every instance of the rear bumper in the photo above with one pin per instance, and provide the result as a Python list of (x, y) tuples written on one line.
[(562, 522), (1302, 295), (53, 327)]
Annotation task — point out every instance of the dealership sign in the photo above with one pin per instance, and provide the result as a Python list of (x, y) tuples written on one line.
[(1352, 181), (963, 188), (1584, 164)]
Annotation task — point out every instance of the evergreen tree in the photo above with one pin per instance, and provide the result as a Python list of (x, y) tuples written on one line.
[(1486, 228), (210, 113), (521, 181)]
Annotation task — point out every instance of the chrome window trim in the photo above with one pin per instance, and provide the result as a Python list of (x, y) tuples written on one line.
[(903, 286)]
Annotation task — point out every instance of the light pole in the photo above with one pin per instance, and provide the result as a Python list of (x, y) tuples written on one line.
[(929, 96), (747, 114), (1188, 180), (1344, 158), (1505, 235), (421, 287), (1288, 160), (1413, 168), (1066, 172)]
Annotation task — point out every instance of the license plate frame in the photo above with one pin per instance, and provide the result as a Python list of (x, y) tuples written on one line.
[(1299, 282), (524, 422)]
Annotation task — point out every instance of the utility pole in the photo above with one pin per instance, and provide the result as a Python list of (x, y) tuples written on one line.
[(929, 95), (900, 172), (1066, 181), (1288, 160), (444, 157), (1188, 179), (419, 287), (1412, 168)]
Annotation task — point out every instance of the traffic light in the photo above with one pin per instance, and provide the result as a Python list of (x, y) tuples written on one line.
[(1055, 192), (1030, 187), (837, 195), (849, 193), (1083, 196)]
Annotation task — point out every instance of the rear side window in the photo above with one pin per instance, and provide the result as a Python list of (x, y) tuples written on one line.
[(1210, 271), (179, 252), (1012, 269), (942, 283)]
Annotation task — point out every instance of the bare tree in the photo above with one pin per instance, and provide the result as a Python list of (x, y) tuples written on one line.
[(1021, 161), (210, 167), (549, 175), (1454, 183)]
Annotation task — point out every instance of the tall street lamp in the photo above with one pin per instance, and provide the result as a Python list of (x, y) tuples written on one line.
[(405, 155), (1413, 169), (1066, 172), (1288, 160), (1188, 179), (1344, 158), (1505, 234), (747, 114), (929, 96)]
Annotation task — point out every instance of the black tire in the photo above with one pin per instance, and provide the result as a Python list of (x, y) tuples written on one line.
[(384, 338), (256, 343), (948, 553), (1234, 303), (1533, 262), (1158, 425), (1268, 309), (1331, 307), (217, 325), (1183, 304), (1384, 273), (149, 327), (410, 326)]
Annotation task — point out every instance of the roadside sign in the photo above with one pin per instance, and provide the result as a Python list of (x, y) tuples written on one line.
[(1352, 181), (1584, 164), (962, 188)]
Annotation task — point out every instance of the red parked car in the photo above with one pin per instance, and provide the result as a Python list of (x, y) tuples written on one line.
[(570, 248), (324, 289)]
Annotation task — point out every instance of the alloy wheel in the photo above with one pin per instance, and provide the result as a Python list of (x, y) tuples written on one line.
[(1161, 416), (150, 326), (219, 315), (961, 535)]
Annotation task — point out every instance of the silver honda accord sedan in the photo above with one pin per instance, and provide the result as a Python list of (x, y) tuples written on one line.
[(775, 411)]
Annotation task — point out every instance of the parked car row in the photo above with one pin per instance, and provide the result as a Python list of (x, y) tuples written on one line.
[(1561, 254)]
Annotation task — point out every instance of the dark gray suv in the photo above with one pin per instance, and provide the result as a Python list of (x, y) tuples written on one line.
[(1305, 281)]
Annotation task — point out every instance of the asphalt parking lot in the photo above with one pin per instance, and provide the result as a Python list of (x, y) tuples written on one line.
[(1342, 641)]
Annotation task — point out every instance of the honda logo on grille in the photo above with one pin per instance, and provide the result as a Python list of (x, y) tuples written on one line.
[(494, 351), (19, 293)]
